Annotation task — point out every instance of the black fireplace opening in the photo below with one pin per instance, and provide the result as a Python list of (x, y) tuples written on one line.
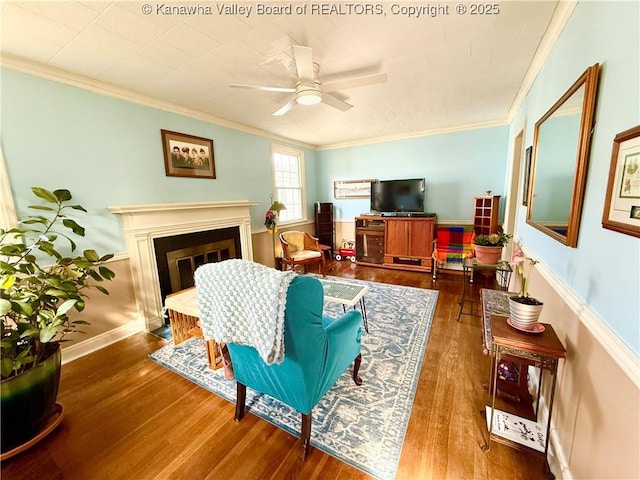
[(178, 256)]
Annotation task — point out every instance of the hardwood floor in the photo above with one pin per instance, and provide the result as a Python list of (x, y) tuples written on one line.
[(126, 417)]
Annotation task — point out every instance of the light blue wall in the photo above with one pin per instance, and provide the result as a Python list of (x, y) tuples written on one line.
[(109, 152), (456, 166), (604, 270)]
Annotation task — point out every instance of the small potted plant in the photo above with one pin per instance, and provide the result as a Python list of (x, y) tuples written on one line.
[(40, 285), (488, 248), (523, 309)]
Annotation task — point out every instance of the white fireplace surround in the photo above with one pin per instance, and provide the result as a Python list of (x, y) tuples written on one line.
[(144, 223)]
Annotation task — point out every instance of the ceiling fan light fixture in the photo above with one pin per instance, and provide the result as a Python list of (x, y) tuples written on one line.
[(308, 97), (309, 90)]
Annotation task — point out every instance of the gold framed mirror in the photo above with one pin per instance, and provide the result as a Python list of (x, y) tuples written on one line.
[(561, 143)]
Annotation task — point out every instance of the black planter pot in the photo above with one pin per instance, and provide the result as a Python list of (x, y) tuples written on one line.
[(28, 401)]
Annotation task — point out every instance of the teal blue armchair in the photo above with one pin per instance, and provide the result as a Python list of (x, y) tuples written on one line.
[(317, 351)]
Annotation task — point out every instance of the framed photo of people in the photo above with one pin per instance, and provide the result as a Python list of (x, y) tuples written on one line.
[(188, 155)]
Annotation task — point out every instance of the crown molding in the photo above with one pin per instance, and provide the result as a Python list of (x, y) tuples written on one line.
[(22, 65), (561, 15), (406, 136)]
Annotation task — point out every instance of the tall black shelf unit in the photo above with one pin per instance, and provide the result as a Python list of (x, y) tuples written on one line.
[(325, 231)]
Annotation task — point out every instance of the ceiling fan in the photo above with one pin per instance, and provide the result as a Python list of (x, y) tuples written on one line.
[(309, 90)]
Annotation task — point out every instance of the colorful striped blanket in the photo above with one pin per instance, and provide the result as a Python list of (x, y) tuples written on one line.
[(454, 244)]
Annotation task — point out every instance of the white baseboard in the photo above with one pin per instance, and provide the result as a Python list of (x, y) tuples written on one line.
[(77, 350), (558, 462)]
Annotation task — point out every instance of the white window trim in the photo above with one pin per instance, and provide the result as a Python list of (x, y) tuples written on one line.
[(276, 148)]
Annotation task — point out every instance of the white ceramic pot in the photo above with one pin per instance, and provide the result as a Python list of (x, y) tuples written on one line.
[(523, 315)]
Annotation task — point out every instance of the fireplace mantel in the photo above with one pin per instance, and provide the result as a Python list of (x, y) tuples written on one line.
[(144, 223)]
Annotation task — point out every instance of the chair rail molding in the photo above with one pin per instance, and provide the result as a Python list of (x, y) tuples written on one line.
[(622, 354)]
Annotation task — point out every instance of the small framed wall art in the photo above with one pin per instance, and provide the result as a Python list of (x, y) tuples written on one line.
[(188, 155), (352, 188), (622, 203)]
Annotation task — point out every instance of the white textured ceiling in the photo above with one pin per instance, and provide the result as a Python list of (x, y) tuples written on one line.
[(444, 72)]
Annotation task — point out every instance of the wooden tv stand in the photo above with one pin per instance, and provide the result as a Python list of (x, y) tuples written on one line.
[(403, 242)]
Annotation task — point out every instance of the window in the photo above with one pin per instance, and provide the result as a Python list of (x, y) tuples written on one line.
[(288, 178)]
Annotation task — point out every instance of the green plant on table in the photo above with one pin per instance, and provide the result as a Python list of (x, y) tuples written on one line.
[(39, 286), (492, 240)]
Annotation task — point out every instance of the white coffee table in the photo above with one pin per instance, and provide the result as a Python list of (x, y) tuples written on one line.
[(348, 294)]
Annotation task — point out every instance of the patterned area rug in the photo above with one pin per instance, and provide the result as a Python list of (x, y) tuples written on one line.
[(362, 426)]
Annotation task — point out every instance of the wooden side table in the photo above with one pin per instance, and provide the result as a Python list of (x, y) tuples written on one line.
[(469, 266), (184, 314), (544, 350), (348, 294), (514, 388)]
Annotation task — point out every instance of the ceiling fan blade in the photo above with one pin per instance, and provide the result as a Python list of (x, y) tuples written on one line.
[(304, 64), (335, 102), (285, 108), (354, 82), (264, 89)]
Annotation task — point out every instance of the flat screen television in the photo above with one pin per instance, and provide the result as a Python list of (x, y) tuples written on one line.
[(398, 196)]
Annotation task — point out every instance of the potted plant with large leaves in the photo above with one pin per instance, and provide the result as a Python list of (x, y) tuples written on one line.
[(41, 284), (524, 310)]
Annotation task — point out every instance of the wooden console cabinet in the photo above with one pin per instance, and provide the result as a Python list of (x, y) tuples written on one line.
[(404, 243)]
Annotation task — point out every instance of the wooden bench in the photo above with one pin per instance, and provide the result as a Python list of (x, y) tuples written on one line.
[(183, 311)]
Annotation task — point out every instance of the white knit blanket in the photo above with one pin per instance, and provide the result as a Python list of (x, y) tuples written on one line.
[(243, 302)]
